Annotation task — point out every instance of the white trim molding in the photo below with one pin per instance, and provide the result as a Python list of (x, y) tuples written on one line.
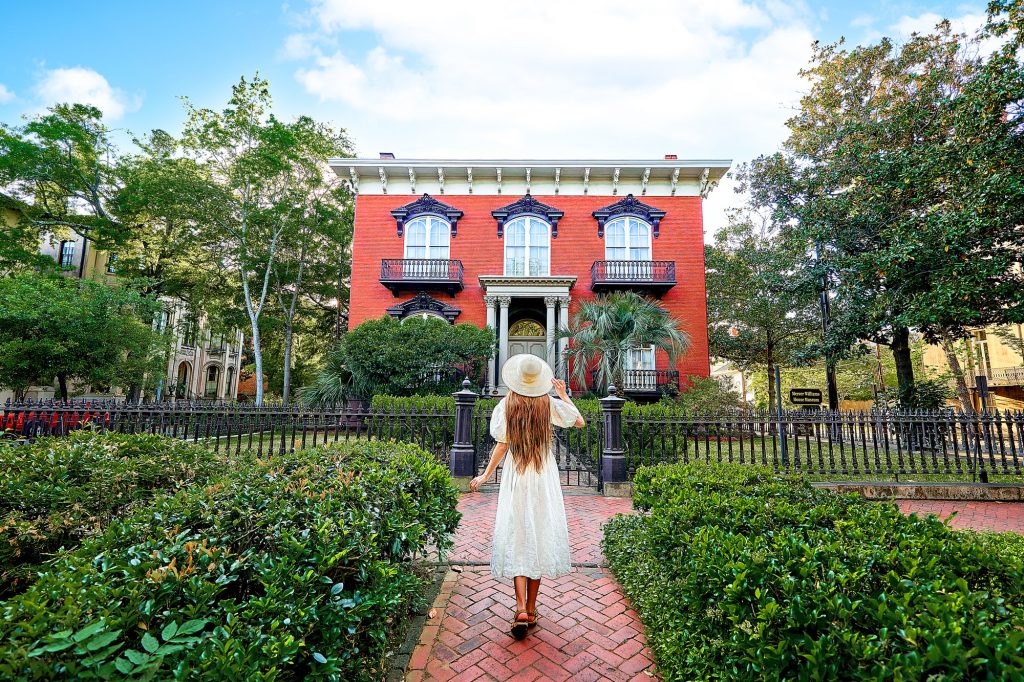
[(641, 177)]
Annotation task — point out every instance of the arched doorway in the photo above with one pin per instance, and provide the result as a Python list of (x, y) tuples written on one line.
[(181, 381), (528, 336), (212, 381)]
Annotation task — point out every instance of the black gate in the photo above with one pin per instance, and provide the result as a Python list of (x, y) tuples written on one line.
[(577, 451)]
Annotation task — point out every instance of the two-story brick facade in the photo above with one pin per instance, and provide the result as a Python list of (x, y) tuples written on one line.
[(514, 244)]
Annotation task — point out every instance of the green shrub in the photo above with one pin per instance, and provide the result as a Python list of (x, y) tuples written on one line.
[(739, 573), (285, 569), (57, 491)]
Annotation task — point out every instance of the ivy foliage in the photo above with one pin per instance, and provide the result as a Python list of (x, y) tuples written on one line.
[(739, 573)]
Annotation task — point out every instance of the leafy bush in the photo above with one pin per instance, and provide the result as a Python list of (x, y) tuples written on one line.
[(285, 569), (739, 573), (57, 491), (408, 357)]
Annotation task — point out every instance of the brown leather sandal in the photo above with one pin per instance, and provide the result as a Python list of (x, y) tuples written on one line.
[(520, 625), (532, 618)]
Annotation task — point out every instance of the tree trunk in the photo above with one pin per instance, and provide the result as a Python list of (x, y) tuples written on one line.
[(904, 362), (771, 385), (133, 393), (257, 354), (62, 386), (958, 374), (286, 389)]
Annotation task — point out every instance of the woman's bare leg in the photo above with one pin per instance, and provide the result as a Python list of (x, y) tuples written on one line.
[(532, 588), (521, 584)]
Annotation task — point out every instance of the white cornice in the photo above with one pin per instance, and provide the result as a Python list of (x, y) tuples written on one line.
[(650, 177)]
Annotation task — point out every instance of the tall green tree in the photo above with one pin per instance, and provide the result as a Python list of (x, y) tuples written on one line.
[(257, 163), (63, 166), (761, 310), (903, 164), (604, 331), (62, 329)]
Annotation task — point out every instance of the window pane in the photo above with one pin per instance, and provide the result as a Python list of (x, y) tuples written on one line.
[(538, 233), (515, 233), (638, 233), (538, 260), (439, 232), (615, 234), (515, 260), (416, 233), (439, 252), (415, 252)]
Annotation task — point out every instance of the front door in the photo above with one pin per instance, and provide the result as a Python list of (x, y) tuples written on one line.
[(528, 336)]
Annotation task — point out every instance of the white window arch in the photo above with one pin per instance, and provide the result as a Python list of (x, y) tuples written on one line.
[(627, 238), (527, 247), (428, 236)]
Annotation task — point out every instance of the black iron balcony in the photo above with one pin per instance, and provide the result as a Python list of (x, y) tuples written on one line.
[(421, 274), (652, 276), (643, 382)]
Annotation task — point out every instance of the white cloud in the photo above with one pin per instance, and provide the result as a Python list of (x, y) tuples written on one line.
[(86, 86), (573, 78), (5, 94), (925, 23)]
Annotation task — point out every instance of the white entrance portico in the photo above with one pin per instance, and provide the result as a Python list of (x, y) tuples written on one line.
[(530, 304)]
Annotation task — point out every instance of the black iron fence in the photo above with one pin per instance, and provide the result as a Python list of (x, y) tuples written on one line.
[(867, 445), (877, 445), (234, 427)]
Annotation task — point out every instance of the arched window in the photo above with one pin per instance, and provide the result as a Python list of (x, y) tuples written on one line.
[(527, 247), (627, 238), (427, 237)]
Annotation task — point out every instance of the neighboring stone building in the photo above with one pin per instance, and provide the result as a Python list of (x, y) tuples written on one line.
[(513, 244), (984, 353)]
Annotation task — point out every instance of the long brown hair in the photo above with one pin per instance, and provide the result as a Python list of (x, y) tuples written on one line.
[(528, 427)]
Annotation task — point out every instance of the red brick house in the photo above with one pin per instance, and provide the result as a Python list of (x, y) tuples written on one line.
[(513, 244)]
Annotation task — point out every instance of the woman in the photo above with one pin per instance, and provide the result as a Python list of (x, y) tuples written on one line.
[(531, 538)]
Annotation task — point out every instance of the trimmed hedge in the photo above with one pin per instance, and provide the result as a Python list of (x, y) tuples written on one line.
[(57, 491), (285, 569), (742, 574)]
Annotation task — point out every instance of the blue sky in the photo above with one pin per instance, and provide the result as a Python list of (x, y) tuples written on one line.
[(559, 78)]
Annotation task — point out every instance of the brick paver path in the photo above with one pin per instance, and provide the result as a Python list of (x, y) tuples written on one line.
[(587, 630), (993, 516)]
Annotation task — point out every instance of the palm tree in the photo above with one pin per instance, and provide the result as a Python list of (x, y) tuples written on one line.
[(604, 330)]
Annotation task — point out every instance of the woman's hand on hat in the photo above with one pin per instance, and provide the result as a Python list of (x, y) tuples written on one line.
[(559, 387)]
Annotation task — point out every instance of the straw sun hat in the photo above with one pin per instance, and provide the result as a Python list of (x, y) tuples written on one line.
[(527, 375)]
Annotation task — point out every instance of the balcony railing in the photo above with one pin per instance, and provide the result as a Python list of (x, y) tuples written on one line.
[(644, 381), (1005, 376), (655, 276), (421, 274)]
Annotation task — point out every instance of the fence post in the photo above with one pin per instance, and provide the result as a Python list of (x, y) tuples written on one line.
[(614, 479), (462, 458)]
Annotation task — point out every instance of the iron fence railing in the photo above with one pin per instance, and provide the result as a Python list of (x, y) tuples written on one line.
[(431, 269), (642, 381), (663, 271), (235, 427), (870, 445)]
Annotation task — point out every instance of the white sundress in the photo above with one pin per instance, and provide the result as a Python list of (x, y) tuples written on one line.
[(531, 537)]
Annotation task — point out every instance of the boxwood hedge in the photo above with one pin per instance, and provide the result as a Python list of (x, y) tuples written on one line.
[(284, 569), (741, 574), (57, 491)]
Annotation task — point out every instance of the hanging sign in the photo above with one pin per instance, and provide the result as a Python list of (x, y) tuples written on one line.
[(805, 396)]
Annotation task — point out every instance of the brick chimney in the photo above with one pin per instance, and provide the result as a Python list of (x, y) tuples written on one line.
[(671, 157), (387, 155)]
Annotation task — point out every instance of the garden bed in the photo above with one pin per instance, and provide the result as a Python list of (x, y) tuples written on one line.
[(293, 567), (739, 573)]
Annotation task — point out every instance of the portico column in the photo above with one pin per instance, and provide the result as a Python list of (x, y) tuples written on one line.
[(549, 304), (489, 301), (563, 322), (503, 304)]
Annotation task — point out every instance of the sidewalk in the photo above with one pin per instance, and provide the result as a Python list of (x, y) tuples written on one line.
[(587, 630), (990, 516)]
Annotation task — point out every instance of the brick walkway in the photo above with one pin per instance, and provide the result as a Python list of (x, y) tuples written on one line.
[(993, 516), (587, 630)]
